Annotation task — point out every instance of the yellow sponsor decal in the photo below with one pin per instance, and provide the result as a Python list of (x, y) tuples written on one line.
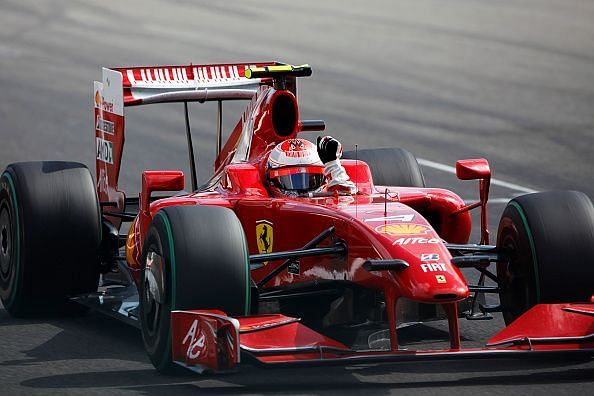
[(441, 279), (97, 99), (402, 229), (249, 71), (264, 236), (280, 68), (273, 69)]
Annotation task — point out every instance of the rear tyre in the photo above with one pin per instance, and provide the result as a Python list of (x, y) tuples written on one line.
[(195, 257), (549, 239), (390, 166), (49, 236)]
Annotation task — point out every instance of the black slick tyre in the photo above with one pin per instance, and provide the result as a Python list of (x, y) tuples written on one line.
[(50, 231), (548, 238), (195, 257), (390, 166)]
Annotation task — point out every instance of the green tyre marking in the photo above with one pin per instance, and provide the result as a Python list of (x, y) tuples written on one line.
[(532, 246), (247, 272), (100, 217), (167, 354), (172, 252), (18, 236)]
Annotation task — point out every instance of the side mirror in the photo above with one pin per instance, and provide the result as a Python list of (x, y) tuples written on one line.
[(159, 181), (473, 169)]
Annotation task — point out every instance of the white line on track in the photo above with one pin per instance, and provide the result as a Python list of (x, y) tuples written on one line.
[(494, 201), (451, 169)]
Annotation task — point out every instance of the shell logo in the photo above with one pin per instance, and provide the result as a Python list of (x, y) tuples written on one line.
[(402, 229), (97, 99)]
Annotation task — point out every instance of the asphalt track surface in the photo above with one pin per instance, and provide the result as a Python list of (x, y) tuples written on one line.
[(512, 81)]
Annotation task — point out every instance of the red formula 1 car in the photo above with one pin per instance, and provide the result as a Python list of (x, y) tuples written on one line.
[(228, 271)]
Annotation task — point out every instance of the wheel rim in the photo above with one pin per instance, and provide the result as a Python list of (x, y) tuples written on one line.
[(512, 278), (5, 242), (153, 296), (515, 279)]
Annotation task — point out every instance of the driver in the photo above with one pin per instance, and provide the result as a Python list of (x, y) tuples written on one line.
[(297, 167)]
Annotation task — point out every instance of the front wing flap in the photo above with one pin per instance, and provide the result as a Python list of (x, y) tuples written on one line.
[(210, 340)]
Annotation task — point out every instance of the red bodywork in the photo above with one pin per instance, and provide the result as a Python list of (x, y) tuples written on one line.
[(380, 222)]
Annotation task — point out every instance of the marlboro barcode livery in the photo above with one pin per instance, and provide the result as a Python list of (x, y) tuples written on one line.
[(293, 252)]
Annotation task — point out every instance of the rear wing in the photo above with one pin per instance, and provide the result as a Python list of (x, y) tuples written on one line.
[(145, 85), (133, 86)]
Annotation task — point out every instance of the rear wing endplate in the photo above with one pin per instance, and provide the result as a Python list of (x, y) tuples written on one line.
[(133, 86)]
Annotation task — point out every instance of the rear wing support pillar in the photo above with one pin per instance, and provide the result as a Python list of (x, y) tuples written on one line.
[(219, 126), (190, 149)]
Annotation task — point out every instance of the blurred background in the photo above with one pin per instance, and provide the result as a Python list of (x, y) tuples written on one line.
[(511, 81)]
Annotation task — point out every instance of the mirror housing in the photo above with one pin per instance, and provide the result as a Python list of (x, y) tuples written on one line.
[(473, 169), (477, 169), (169, 180)]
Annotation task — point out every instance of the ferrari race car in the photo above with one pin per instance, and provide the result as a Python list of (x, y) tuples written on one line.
[(226, 271)]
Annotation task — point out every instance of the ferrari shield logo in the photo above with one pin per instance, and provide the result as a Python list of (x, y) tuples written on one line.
[(264, 236)]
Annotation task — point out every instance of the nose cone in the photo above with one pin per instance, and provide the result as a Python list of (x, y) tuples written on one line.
[(406, 235), (430, 276), (443, 284)]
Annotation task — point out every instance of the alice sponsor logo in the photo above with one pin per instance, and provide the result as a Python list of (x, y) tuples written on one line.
[(415, 241), (196, 341), (104, 150)]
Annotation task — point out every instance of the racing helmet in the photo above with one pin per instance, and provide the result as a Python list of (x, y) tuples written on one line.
[(294, 167)]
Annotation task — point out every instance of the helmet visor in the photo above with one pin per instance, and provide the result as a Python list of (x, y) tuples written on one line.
[(299, 178)]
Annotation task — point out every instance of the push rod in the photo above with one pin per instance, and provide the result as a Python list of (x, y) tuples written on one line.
[(293, 254), (309, 245)]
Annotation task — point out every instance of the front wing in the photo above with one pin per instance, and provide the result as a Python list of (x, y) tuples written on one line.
[(212, 341)]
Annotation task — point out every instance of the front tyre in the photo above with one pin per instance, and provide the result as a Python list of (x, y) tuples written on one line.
[(549, 240), (195, 257)]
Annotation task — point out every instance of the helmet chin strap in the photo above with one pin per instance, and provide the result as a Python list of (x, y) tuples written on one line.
[(279, 193), (318, 193)]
